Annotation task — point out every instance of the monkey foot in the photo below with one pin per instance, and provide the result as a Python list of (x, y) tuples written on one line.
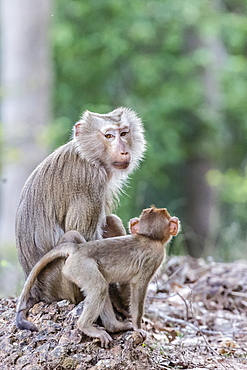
[(100, 333), (143, 333), (118, 326), (135, 338)]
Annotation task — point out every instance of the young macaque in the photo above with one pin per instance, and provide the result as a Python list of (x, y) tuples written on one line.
[(92, 266)]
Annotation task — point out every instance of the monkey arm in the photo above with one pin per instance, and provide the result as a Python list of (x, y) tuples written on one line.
[(84, 219)]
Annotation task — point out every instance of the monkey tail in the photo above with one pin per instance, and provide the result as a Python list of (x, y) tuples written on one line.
[(25, 302)]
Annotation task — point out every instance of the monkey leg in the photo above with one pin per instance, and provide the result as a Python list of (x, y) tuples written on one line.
[(93, 306), (138, 294), (84, 272), (119, 295), (109, 319)]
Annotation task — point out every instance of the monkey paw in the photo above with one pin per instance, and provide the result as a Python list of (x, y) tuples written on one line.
[(100, 333), (105, 339), (135, 338), (143, 333)]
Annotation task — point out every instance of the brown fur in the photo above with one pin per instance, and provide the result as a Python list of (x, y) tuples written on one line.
[(119, 293), (92, 266), (113, 227)]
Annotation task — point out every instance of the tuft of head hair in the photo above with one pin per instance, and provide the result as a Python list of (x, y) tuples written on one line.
[(154, 223), (161, 211)]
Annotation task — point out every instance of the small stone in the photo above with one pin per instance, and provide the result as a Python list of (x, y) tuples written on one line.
[(5, 345), (59, 352), (70, 363), (63, 303), (24, 360), (72, 336), (37, 308)]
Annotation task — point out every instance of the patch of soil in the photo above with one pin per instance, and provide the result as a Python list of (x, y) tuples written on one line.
[(195, 319)]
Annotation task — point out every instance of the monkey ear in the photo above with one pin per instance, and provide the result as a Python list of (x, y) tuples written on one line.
[(134, 225), (77, 129), (86, 117), (174, 225)]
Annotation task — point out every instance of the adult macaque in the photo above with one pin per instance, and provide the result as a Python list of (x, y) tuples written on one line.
[(92, 266), (75, 188)]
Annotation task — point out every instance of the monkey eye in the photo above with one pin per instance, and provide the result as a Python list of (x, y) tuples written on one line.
[(109, 136), (124, 133)]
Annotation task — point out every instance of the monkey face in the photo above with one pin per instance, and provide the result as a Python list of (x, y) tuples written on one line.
[(116, 140)]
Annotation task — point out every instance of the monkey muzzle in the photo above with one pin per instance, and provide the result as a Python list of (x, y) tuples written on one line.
[(120, 165)]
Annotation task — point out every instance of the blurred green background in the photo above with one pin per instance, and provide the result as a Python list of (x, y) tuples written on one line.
[(181, 65)]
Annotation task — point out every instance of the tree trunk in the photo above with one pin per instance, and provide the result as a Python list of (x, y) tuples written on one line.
[(26, 108), (201, 206), (201, 209)]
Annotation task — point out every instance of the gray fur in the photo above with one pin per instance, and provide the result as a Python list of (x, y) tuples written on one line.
[(74, 188)]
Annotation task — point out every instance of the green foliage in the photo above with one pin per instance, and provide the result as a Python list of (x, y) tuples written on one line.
[(180, 64), (233, 192)]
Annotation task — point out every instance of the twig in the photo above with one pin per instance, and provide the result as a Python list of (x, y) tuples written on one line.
[(196, 328), (168, 279), (201, 332), (174, 273), (186, 323), (238, 294), (186, 306)]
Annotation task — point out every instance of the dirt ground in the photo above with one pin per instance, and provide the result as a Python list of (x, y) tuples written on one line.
[(195, 319)]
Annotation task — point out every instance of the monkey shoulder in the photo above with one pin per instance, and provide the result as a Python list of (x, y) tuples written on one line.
[(64, 173), (65, 159)]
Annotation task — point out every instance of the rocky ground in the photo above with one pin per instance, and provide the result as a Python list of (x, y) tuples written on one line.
[(195, 319)]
